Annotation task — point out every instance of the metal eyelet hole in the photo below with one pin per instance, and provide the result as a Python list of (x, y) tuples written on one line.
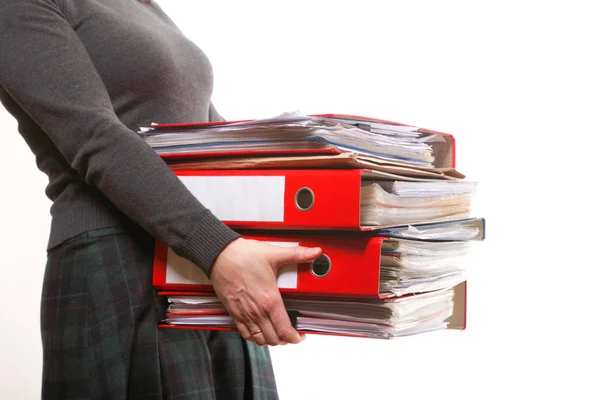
[(321, 266), (305, 198)]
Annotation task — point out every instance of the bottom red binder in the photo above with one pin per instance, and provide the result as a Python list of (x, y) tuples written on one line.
[(350, 267), (384, 319)]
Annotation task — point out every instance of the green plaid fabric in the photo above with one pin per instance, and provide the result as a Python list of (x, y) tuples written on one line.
[(100, 337)]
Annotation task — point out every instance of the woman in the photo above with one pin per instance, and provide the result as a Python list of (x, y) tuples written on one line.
[(80, 76)]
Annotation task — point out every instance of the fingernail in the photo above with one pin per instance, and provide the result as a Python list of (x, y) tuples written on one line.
[(313, 252)]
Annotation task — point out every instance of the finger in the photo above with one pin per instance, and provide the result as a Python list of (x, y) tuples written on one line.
[(245, 324), (257, 318), (295, 255), (280, 321), (257, 335), (269, 332), (253, 334)]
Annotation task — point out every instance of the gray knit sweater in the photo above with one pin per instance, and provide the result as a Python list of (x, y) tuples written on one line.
[(80, 77)]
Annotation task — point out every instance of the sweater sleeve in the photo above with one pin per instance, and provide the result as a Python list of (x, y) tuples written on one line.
[(213, 114), (45, 68)]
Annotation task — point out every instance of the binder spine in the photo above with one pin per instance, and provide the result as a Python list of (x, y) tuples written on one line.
[(349, 267), (280, 199)]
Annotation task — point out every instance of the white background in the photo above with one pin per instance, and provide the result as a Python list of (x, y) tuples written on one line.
[(517, 83)]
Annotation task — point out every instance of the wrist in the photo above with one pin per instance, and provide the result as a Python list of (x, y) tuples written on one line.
[(224, 254), (207, 241)]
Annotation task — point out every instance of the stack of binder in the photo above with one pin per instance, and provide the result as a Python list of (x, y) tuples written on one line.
[(383, 200)]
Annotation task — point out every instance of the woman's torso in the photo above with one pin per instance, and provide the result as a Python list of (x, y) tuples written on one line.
[(152, 73)]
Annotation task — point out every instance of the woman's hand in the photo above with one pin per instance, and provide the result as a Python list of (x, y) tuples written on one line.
[(244, 277)]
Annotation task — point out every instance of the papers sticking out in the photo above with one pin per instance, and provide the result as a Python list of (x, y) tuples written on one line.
[(412, 266), (465, 229), (429, 189), (342, 161), (294, 131), (398, 203), (382, 127)]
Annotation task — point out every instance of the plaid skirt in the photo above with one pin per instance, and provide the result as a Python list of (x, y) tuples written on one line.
[(99, 317)]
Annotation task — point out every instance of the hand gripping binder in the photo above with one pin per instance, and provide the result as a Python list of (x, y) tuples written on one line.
[(344, 292), (307, 199), (350, 267)]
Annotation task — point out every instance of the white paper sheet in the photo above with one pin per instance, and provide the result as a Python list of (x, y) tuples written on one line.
[(182, 271), (240, 198)]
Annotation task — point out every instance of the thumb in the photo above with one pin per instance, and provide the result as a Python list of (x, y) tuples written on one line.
[(295, 255)]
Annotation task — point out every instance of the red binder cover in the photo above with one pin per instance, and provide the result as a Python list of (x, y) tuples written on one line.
[(283, 199), (349, 267)]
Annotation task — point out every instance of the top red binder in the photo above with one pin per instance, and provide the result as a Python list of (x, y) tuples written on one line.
[(442, 145)]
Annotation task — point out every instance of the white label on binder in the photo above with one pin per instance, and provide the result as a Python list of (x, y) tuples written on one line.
[(183, 271), (240, 198)]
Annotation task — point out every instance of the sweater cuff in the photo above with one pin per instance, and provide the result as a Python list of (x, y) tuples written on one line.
[(206, 241)]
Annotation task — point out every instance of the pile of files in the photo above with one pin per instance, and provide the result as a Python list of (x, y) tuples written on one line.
[(383, 200)]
